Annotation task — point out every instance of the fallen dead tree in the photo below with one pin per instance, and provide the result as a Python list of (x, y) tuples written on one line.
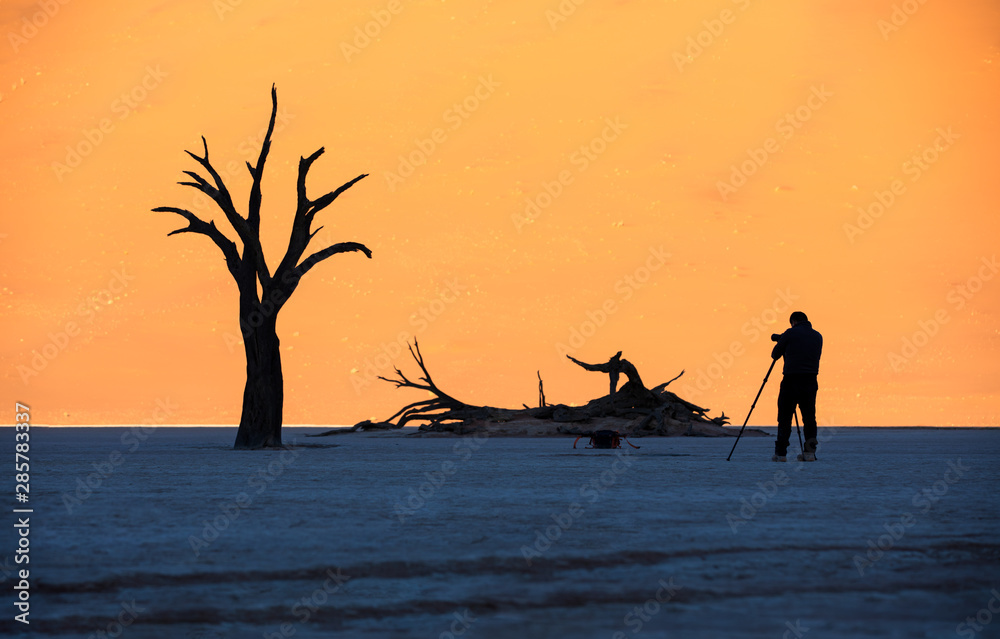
[(633, 410)]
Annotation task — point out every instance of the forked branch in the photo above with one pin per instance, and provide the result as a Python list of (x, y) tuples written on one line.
[(305, 212), (248, 232), (440, 407), (197, 225), (290, 270), (217, 191)]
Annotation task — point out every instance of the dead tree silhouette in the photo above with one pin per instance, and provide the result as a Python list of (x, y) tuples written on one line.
[(263, 396), (613, 367)]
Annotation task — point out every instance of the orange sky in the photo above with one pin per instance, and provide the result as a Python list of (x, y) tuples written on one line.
[(632, 113)]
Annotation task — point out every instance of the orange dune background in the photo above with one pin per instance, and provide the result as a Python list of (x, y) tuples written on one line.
[(544, 178)]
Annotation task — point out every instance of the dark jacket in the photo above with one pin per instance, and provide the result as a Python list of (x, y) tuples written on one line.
[(801, 346)]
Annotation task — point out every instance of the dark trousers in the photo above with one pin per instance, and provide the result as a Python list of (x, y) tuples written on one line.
[(796, 390)]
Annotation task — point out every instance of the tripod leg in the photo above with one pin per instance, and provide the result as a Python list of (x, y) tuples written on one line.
[(795, 413), (764, 383)]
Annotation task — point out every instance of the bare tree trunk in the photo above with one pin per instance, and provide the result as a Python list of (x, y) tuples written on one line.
[(263, 396)]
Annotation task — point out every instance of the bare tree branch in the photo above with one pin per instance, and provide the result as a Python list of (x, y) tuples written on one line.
[(218, 192), (313, 234), (290, 271), (256, 197), (660, 388), (429, 384), (300, 185), (197, 225), (248, 229), (200, 183), (319, 256), (435, 409), (253, 213), (326, 200)]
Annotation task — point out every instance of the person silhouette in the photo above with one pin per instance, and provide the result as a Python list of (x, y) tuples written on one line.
[(801, 347)]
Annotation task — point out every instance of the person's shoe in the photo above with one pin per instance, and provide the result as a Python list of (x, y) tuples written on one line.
[(806, 457), (778, 458)]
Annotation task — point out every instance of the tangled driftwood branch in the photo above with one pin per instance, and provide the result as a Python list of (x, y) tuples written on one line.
[(632, 409)]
